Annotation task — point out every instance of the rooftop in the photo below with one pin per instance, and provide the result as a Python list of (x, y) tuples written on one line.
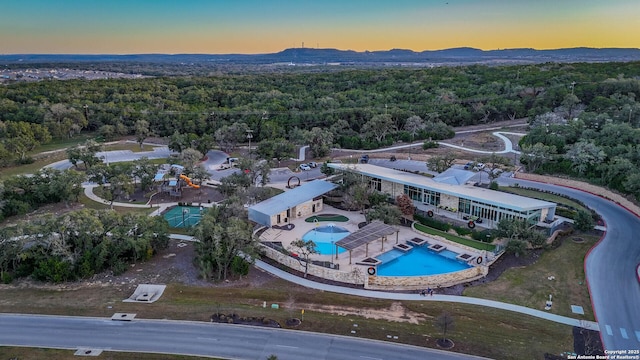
[(370, 232), (454, 176), (515, 202), (293, 197)]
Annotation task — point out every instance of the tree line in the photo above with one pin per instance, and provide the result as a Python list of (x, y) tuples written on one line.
[(79, 244), (359, 108), (598, 141)]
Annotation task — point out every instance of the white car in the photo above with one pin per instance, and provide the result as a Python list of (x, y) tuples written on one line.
[(478, 167), (305, 167)]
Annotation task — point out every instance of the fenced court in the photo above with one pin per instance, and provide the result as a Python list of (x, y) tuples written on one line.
[(183, 216)]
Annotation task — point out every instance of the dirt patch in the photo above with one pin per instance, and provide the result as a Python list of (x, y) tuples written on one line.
[(396, 312)]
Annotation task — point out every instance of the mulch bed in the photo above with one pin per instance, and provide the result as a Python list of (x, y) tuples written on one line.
[(249, 320)]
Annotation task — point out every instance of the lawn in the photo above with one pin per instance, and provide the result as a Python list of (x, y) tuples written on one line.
[(479, 331), (58, 144), (530, 286), (542, 196), (33, 167), (57, 354), (460, 240), (90, 204)]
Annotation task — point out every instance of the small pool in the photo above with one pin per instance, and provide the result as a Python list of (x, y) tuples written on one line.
[(419, 261), (325, 236)]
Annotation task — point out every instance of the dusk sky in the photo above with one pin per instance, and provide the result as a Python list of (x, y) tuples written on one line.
[(263, 26)]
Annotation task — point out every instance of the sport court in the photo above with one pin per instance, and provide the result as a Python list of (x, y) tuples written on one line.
[(183, 216)]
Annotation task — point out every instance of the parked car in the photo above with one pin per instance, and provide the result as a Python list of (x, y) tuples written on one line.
[(469, 165), (479, 166), (305, 167), (313, 164), (393, 158), (364, 159)]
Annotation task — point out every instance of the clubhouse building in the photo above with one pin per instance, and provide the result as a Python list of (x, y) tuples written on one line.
[(449, 198)]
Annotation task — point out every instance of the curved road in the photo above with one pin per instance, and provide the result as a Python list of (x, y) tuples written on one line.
[(201, 339), (610, 269), (610, 266)]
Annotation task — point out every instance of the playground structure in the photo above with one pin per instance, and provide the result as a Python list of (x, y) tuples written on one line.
[(173, 187), (187, 180)]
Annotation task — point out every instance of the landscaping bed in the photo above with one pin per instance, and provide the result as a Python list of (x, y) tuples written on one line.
[(248, 320), (327, 217)]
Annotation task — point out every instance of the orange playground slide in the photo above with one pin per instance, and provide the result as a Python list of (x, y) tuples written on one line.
[(188, 181)]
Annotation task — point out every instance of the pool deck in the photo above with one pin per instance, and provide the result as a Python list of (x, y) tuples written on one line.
[(357, 255)]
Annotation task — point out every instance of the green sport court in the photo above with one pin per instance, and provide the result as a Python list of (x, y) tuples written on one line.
[(183, 216)]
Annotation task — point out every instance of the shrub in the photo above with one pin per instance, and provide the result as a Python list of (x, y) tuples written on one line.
[(432, 223), (482, 235), (564, 212), (430, 145), (6, 278), (462, 231), (239, 266)]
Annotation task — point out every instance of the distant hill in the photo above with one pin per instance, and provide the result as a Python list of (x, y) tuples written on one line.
[(309, 56)]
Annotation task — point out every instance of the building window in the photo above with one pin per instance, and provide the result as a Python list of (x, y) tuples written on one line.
[(376, 184), (413, 192)]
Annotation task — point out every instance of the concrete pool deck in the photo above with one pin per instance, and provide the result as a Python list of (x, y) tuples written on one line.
[(348, 264)]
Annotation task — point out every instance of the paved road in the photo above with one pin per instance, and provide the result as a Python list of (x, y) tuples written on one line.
[(159, 152), (201, 339), (610, 269)]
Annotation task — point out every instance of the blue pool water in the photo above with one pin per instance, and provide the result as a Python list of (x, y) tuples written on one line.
[(324, 236), (418, 262)]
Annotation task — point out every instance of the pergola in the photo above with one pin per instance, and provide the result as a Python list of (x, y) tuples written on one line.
[(369, 233)]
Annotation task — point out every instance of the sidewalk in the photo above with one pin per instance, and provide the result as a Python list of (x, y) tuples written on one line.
[(417, 297)]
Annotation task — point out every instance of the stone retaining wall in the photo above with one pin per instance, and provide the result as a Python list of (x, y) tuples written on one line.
[(423, 282), (353, 277)]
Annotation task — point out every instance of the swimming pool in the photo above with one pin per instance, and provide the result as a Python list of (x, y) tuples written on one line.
[(324, 236), (419, 261)]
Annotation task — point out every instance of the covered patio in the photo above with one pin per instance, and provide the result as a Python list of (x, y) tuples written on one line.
[(369, 233)]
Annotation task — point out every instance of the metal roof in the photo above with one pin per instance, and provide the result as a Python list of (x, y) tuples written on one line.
[(370, 232), (487, 196), (454, 176), (293, 197)]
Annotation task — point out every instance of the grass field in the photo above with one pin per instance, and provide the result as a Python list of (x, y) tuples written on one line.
[(460, 240), (31, 168), (20, 353), (477, 330), (530, 287), (90, 204), (542, 196)]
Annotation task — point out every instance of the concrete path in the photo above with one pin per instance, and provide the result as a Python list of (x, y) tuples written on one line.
[(417, 297), (413, 297), (160, 208)]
